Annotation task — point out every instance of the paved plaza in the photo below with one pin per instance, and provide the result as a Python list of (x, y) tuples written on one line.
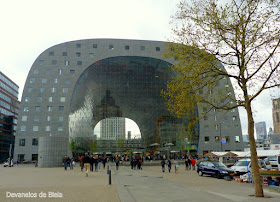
[(149, 184)]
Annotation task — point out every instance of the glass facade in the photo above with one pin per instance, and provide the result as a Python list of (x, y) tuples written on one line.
[(124, 86)]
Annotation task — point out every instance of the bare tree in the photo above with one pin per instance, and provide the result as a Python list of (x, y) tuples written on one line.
[(237, 41)]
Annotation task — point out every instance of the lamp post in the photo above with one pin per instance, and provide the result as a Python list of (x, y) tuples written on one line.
[(221, 136)]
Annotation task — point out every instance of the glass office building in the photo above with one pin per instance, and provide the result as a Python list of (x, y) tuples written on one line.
[(8, 116), (73, 86)]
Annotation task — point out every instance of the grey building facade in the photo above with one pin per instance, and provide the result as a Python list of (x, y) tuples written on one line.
[(65, 97)]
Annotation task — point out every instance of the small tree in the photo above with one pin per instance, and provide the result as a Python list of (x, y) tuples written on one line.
[(237, 41), (72, 146)]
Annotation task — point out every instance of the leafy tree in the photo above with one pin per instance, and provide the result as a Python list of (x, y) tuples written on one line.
[(216, 42), (72, 146), (93, 146)]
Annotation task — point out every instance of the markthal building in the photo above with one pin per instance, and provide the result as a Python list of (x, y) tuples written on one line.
[(73, 86)]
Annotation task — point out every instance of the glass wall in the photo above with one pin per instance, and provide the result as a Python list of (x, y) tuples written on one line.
[(127, 86)]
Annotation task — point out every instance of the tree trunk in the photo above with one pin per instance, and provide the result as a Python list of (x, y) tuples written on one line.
[(254, 157)]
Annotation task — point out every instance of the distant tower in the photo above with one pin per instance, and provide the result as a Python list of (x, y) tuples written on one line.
[(129, 135), (276, 115), (261, 130), (112, 128)]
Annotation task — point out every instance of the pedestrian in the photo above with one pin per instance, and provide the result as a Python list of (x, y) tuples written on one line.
[(131, 162), (104, 161), (91, 163), (72, 162), (163, 165), (187, 163), (86, 162), (100, 159), (65, 161), (193, 164), (82, 163), (117, 161), (169, 165), (176, 166), (96, 161)]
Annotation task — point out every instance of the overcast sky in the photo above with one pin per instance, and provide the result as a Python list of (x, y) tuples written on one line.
[(31, 26)]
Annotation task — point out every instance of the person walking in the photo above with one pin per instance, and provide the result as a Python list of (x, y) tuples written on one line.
[(72, 163), (117, 161), (187, 163), (163, 165), (190, 163), (104, 161), (176, 166), (91, 162), (169, 165), (193, 164), (96, 161), (86, 163), (65, 162), (82, 163)]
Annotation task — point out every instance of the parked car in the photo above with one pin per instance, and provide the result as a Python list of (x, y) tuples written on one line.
[(243, 166), (214, 168)]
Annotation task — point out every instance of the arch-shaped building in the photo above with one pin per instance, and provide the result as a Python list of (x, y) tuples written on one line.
[(73, 85)]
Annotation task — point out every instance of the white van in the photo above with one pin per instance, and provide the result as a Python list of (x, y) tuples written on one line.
[(242, 166), (274, 162)]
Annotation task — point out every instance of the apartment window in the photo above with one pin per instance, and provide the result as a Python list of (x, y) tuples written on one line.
[(48, 128), (227, 139), (237, 139), (53, 90), (206, 127), (41, 62), (51, 99), (205, 118), (27, 99), (216, 127), (49, 118), (79, 63), (35, 128), (21, 142), (54, 62), (24, 118), (126, 47), (66, 62), (23, 128), (72, 71), (94, 45), (142, 48), (56, 80), (36, 118), (61, 108), (234, 118), (37, 108), (41, 90), (233, 110), (35, 71), (60, 71), (51, 53), (48, 71), (215, 118), (62, 99), (21, 157), (78, 54), (34, 142), (111, 47), (91, 55), (25, 109), (39, 99), (60, 128), (29, 90), (157, 48), (78, 45), (44, 80), (32, 80), (60, 118), (65, 90), (49, 108), (67, 80), (34, 157), (206, 139), (217, 138), (64, 53)]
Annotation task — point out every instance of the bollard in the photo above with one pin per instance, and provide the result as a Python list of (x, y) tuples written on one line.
[(108, 169), (109, 177)]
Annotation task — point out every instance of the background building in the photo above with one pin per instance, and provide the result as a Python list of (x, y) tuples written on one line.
[(261, 130), (112, 128), (74, 85), (8, 115)]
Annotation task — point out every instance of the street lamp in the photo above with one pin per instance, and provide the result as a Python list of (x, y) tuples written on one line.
[(221, 136)]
